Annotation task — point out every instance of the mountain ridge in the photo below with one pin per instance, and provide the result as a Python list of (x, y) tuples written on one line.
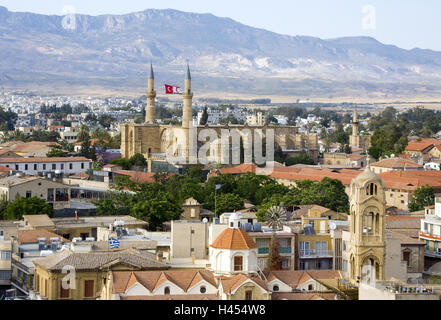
[(102, 49)]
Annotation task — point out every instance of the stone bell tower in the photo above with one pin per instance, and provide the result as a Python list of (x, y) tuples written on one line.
[(367, 223), (151, 95)]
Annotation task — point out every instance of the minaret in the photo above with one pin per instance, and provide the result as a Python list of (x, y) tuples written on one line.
[(355, 123), (151, 95), (187, 115)]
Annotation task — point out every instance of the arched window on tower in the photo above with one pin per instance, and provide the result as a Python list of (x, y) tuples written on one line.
[(368, 223), (371, 189)]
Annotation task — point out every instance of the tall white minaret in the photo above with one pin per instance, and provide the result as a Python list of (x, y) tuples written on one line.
[(355, 123), (151, 95), (187, 114)]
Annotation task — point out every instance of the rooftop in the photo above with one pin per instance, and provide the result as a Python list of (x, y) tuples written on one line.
[(98, 259), (234, 239), (397, 163), (38, 159)]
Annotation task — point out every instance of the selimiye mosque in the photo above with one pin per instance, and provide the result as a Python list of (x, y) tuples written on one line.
[(154, 140)]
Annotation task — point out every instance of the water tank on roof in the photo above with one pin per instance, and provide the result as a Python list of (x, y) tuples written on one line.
[(118, 223), (257, 227), (248, 227), (90, 239)]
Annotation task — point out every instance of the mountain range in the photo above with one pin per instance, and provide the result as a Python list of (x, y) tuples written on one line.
[(112, 53)]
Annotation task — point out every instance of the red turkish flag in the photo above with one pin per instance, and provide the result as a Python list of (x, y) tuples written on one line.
[(172, 89)]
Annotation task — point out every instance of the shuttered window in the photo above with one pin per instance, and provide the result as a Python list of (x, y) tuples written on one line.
[(64, 293), (88, 288)]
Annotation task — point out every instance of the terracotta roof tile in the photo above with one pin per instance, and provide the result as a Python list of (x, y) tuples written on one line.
[(31, 236), (234, 239), (242, 168), (396, 163)]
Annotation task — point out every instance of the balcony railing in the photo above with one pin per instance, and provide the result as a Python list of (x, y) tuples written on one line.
[(262, 250), (312, 253), (287, 250), (430, 235), (432, 254)]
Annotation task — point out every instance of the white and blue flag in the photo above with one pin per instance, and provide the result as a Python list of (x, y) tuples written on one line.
[(113, 243)]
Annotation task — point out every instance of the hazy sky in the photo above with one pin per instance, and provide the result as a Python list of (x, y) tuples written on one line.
[(405, 23)]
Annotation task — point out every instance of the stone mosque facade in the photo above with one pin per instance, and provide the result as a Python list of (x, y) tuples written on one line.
[(155, 141)]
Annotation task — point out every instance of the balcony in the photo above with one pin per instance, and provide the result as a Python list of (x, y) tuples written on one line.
[(287, 250), (429, 236), (432, 254), (311, 254), (262, 250)]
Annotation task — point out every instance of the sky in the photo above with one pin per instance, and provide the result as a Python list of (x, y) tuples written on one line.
[(406, 23)]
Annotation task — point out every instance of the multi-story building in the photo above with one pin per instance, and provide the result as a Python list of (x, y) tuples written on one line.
[(5, 262), (431, 230), (54, 193), (45, 166)]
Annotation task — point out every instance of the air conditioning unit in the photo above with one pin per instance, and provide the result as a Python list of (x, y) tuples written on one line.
[(77, 240)]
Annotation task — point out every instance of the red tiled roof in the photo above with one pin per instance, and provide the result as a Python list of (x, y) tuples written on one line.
[(140, 177), (242, 168), (234, 239), (422, 144), (31, 236), (396, 163)]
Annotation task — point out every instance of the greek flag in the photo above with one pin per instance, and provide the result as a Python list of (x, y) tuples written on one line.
[(113, 243), (218, 186)]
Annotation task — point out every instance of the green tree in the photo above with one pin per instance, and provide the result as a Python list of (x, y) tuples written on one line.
[(422, 197), (138, 160), (204, 117), (302, 158), (55, 153), (157, 210), (228, 202), (122, 162), (27, 206)]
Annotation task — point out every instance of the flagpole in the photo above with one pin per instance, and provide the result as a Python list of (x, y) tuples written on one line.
[(215, 193)]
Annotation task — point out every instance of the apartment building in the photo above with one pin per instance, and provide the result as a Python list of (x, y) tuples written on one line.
[(54, 193), (43, 166), (431, 230)]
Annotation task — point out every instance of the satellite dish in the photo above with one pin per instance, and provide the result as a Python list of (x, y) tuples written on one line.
[(332, 225), (205, 220)]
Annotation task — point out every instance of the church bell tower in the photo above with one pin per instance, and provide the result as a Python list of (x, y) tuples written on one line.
[(367, 223)]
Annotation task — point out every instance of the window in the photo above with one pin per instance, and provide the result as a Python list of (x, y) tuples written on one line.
[(167, 290), (28, 194), (285, 263), (44, 166), (26, 167), (275, 288), (84, 236), (16, 167), (406, 257), (62, 166), (88, 288), (249, 295), (54, 166), (5, 275), (64, 293), (70, 166), (203, 289), (310, 287), (82, 165), (238, 263)]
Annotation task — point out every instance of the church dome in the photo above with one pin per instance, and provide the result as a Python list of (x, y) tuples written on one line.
[(367, 175), (234, 239)]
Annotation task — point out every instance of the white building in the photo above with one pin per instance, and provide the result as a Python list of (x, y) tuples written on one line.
[(233, 251), (431, 229), (35, 166)]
